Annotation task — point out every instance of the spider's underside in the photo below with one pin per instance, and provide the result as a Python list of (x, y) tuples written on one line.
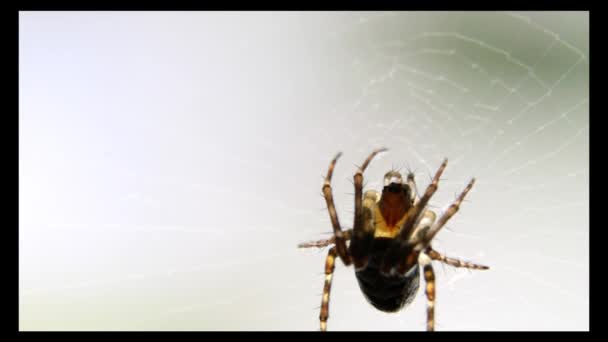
[(391, 236)]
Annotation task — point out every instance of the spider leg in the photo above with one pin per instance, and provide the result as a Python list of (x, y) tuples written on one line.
[(414, 212), (412, 184), (333, 215), (429, 278), (363, 227), (452, 209), (326, 242), (409, 249), (454, 262), (329, 272)]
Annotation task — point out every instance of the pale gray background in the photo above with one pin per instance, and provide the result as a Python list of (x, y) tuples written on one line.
[(170, 162)]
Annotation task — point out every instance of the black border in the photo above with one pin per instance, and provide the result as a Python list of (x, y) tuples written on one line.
[(377, 5), (192, 5)]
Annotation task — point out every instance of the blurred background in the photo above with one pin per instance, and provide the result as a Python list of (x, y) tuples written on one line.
[(170, 163)]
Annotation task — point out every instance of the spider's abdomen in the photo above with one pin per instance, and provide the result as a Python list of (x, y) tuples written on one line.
[(386, 293)]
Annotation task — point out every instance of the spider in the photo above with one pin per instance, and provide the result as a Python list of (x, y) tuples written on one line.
[(390, 238)]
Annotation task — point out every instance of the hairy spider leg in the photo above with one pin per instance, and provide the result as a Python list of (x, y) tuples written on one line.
[(326, 242), (454, 262), (413, 188), (340, 241), (329, 273), (425, 241), (363, 226), (414, 212), (429, 278), (452, 209)]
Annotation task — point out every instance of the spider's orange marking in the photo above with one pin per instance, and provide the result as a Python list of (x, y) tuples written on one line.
[(393, 206), (383, 228), (391, 213)]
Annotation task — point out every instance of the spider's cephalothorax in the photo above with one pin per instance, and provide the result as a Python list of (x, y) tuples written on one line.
[(391, 237)]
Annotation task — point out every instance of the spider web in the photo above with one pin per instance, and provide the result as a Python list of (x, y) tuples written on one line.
[(505, 97), (192, 224)]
